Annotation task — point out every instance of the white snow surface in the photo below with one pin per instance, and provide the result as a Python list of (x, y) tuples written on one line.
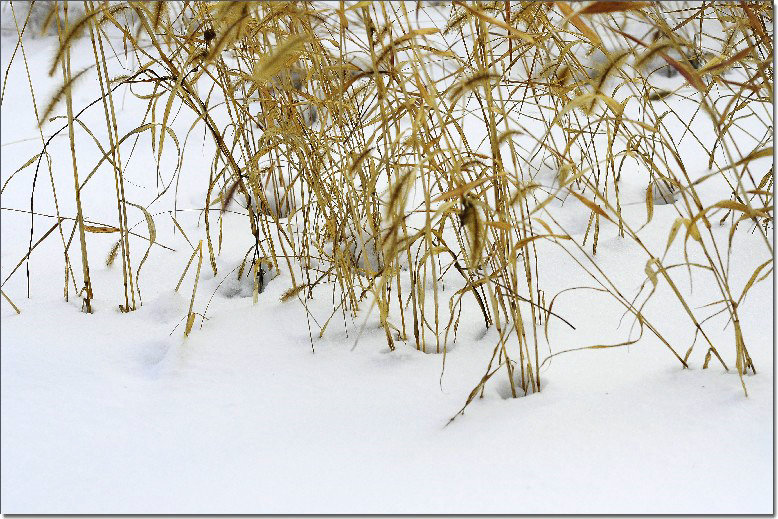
[(253, 413)]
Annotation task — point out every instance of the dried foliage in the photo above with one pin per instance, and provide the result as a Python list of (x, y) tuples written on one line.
[(374, 150)]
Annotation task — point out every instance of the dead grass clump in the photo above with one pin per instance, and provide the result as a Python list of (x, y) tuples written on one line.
[(385, 149)]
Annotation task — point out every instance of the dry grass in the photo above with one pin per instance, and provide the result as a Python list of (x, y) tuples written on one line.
[(374, 150)]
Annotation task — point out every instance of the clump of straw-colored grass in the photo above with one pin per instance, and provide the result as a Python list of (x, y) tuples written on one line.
[(419, 160)]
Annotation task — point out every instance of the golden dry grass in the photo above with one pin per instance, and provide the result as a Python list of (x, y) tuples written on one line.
[(349, 140)]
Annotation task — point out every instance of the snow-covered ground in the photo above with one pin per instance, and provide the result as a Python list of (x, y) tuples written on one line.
[(254, 413)]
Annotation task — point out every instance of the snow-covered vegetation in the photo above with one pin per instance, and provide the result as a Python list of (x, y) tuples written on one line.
[(374, 257)]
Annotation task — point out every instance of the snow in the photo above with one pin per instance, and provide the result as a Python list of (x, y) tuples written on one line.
[(254, 413)]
